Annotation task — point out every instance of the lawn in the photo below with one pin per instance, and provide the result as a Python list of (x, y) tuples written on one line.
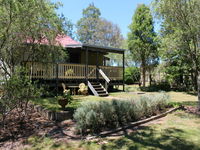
[(51, 103), (132, 92), (176, 131)]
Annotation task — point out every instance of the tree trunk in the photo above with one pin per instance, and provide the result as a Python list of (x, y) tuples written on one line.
[(150, 79), (143, 74), (196, 80), (199, 92)]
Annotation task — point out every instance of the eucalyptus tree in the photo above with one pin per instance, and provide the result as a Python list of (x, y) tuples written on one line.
[(92, 29), (23, 25), (32, 20), (142, 39), (87, 25), (180, 35), (108, 34)]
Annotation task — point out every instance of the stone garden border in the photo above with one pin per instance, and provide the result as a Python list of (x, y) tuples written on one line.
[(52, 115)]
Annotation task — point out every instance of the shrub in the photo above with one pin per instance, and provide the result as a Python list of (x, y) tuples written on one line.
[(99, 115), (160, 86), (17, 91), (132, 75)]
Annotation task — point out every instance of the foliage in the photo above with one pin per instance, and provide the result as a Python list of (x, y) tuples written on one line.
[(180, 39), (66, 95), (67, 26), (132, 75), (27, 21), (199, 92), (100, 115), (86, 26), (108, 34), (17, 92), (158, 86), (92, 29), (142, 39)]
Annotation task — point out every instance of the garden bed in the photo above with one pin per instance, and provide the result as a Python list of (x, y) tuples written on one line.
[(51, 103), (140, 122), (50, 109), (193, 110), (53, 115), (94, 117)]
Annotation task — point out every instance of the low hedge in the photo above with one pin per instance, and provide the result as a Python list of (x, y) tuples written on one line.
[(99, 115)]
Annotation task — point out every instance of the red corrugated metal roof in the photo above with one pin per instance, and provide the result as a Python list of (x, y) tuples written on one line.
[(62, 40)]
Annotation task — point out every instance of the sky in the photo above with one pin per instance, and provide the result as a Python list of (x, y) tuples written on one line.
[(119, 12)]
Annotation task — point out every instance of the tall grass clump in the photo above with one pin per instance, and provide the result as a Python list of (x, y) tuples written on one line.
[(100, 115)]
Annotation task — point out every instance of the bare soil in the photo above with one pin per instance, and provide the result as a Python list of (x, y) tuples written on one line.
[(16, 133), (193, 110)]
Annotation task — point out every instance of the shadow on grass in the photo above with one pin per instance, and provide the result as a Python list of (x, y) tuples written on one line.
[(149, 138), (51, 103), (190, 103), (193, 93), (185, 103), (153, 89)]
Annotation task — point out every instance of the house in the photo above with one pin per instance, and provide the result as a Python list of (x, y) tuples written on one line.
[(86, 64)]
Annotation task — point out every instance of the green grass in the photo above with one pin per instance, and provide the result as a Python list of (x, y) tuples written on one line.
[(176, 131), (52, 104), (178, 97)]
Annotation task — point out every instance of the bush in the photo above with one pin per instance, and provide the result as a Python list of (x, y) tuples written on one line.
[(17, 91), (160, 86), (132, 75), (99, 115)]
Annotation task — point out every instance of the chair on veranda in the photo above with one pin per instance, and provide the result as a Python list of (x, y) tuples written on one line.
[(64, 88), (83, 90)]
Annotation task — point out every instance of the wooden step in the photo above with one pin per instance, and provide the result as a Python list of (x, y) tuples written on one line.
[(102, 91), (98, 89), (97, 86), (95, 83)]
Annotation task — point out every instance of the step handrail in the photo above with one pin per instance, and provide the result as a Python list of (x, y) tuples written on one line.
[(92, 89), (104, 75)]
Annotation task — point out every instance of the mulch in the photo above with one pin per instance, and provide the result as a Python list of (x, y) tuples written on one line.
[(16, 133), (192, 109)]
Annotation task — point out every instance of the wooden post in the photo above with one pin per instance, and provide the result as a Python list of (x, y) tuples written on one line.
[(198, 82), (86, 66), (97, 65), (57, 79), (123, 71)]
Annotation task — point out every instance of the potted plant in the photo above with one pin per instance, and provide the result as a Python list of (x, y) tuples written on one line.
[(64, 99)]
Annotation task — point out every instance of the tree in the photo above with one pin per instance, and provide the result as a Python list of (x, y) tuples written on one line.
[(199, 92), (180, 35), (108, 34), (92, 29), (18, 91), (23, 23), (67, 26), (141, 39), (86, 26), (33, 20), (132, 75)]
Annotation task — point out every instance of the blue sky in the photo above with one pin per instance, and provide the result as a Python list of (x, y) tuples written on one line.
[(118, 11)]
